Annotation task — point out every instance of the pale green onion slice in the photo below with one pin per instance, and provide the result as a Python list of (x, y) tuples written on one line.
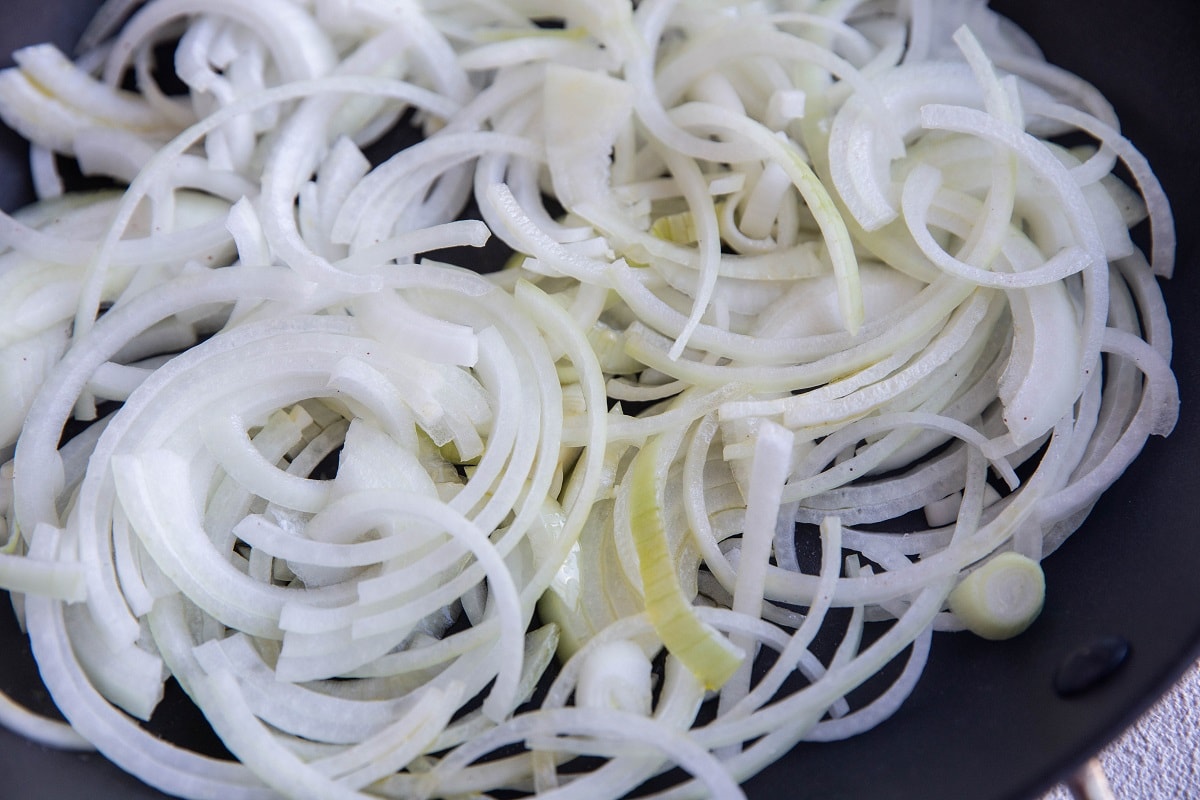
[(1001, 598), (702, 649)]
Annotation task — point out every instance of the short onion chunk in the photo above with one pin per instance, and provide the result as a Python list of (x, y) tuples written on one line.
[(1001, 598)]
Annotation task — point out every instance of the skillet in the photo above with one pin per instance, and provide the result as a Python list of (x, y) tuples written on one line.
[(985, 721)]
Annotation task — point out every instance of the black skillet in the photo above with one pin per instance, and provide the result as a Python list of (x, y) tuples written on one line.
[(985, 722)]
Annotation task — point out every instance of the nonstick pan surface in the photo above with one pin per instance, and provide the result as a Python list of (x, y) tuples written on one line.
[(985, 721)]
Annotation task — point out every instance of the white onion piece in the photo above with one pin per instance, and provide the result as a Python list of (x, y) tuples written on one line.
[(770, 467), (300, 48), (154, 761), (43, 730)]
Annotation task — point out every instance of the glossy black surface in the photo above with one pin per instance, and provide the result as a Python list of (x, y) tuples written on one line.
[(1084, 669), (985, 722)]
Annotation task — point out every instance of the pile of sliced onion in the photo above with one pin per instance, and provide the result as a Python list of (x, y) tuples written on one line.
[(787, 283)]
